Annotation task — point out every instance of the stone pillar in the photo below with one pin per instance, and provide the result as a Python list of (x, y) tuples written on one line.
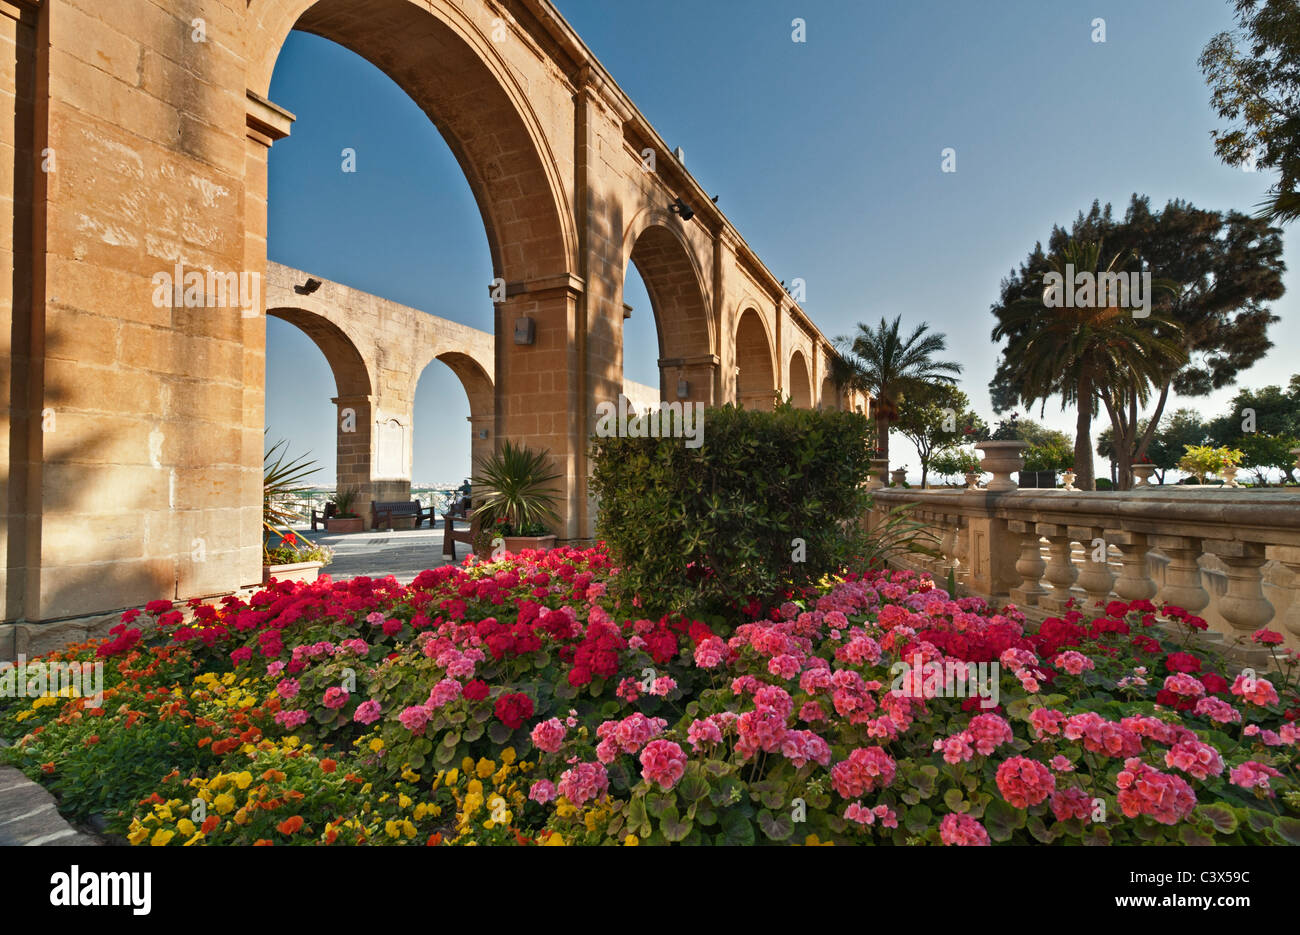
[(355, 451), (1183, 587), (1290, 557), (1095, 577), (994, 551), (1029, 566), (1061, 573), (1244, 605), (700, 374), (1134, 582)]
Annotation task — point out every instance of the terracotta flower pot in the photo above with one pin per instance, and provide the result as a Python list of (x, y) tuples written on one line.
[(298, 571), (345, 524), (1002, 459), (517, 544)]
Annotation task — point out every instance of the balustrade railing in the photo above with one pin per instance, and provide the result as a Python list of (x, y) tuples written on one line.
[(1230, 556)]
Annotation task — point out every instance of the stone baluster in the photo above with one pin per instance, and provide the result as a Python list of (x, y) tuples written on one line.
[(1290, 557), (1030, 565), (1061, 573), (1095, 576), (1134, 582), (1244, 605), (948, 545), (1183, 586), (962, 554)]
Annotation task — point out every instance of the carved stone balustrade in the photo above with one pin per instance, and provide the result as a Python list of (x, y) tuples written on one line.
[(1230, 556)]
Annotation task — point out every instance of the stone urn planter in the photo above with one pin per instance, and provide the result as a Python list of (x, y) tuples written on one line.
[(879, 473), (1068, 478), (1142, 474), (1296, 452), (1002, 459), (345, 524), (1229, 474), (298, 571), (972, 480), (898, 477)]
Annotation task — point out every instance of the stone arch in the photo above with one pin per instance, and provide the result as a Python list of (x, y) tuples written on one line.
[(755, 374), (799, 386), (439, 56), (830, 396), (675, 282), (351, 375), (477, 383)]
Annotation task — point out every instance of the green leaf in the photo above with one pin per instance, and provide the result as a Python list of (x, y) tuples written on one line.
[(692, 788), (918, 819), (1288, 829), (1002, 820), (673, 825), (637, 822), (1224, 821), (736, 828), (953, 799), (778, 827), (1188, 835), (498, 732)]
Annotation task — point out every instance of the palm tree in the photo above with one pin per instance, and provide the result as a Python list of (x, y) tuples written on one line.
[(880, 362), (1087, 355)]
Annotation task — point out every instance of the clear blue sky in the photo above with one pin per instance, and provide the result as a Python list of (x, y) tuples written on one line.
[(826, 156)]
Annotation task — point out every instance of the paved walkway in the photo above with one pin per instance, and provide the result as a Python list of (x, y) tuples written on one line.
[(403, 553), (28, 815)]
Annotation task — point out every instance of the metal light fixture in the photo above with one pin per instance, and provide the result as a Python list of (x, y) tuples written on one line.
[(307, 288), (525, 330), (683, 389), (681, 208)]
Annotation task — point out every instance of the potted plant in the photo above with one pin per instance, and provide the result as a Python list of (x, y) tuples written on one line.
[(1004, 453), (898, 476), (345, 518), (293, 558), (516, 500), (1203, 460), (1142, 471)]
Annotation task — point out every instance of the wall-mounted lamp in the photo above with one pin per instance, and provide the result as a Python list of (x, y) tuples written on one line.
[(525, 330), (307, 288), (683, 389), (681, 208), (482, 433)]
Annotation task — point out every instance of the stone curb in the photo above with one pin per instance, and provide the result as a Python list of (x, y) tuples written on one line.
[(29, 816)]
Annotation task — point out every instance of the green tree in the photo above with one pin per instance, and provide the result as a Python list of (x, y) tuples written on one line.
[(1179, 430), (954, 462), (1229, 267), (880, 361), (936, 418), (1049, 449), (1254, 74), (1265, 425), (1085, 354)]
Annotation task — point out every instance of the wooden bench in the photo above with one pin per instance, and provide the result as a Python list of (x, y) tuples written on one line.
[(383, 511), (451, 535), (319, 516)]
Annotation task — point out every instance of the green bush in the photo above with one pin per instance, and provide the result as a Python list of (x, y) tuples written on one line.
[(769, 502)]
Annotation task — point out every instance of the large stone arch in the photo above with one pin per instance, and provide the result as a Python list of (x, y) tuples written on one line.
[(684, 321), (799, 386), (755, 370), (469, 93), (341, 350)]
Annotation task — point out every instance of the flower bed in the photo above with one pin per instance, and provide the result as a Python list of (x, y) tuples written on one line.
[(511, 703)]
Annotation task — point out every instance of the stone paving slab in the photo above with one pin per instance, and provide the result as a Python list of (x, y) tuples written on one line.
[(29, 816)]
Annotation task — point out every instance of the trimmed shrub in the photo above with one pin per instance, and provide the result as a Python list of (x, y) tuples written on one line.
[(767, 503)]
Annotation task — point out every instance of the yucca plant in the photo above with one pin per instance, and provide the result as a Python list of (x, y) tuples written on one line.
[(282, 479), (515, 492)]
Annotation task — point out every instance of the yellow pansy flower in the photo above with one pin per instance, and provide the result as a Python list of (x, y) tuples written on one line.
[(376, 745), (161, 837)]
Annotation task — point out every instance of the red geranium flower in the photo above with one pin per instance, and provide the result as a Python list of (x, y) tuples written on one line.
[(513, 710)]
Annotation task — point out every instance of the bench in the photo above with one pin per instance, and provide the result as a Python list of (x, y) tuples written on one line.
[(319, 516), (383, 511), (451, 535)]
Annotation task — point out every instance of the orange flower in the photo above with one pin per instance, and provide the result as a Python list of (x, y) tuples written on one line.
[(328, 766), (290, 825), (273, 775), (210, 825), (262, 842), (434, 839), (47, 768)]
